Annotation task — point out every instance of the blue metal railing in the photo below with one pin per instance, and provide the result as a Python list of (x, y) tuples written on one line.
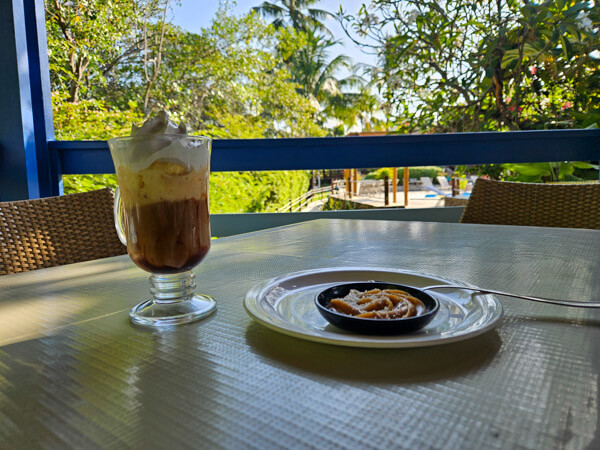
[(76, 157)]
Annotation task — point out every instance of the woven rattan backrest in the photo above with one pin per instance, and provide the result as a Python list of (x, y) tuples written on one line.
[(541, 205), (53, 231)]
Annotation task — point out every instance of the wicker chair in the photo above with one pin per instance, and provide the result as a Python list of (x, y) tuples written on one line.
[(531, 204), (53, 231)]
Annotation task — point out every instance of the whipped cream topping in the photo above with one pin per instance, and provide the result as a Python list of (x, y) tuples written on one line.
[(144, 151), (160, 162), (159, 125)]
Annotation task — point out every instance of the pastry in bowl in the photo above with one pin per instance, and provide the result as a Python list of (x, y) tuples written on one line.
[(376, 307)]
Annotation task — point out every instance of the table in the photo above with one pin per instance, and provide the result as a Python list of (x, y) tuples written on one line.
[(74, 371)]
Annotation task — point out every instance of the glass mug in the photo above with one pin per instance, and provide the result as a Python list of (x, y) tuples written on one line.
[(161, 214)]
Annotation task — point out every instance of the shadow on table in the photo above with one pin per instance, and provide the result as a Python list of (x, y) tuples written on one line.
[(409, 365)]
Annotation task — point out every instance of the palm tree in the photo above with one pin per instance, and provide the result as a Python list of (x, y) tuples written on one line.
[(296, 13), (311, 68), (318, 79)]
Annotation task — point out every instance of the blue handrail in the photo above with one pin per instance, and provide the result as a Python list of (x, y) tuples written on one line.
[(77, 157)]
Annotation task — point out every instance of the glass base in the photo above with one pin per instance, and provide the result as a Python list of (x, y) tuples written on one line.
[(174, 302), (151, 313)]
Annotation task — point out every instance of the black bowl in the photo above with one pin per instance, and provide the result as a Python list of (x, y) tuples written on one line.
[(375, 326)]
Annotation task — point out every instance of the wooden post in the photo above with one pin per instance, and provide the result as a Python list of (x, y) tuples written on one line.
[(406, 180), (394, 183), (346, 182), (351, 184), (455, 183), (355, 181), (386, 191)]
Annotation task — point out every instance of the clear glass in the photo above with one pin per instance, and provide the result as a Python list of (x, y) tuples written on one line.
[(161, 214)]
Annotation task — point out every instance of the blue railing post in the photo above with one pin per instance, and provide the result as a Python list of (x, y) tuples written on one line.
[(50, 181), (25, 105)]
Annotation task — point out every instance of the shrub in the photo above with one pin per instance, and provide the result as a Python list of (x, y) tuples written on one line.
[(84, 183), (255, 191), (414, 172)]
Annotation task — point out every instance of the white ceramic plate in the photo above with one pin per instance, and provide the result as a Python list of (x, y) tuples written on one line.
[(286, 304)]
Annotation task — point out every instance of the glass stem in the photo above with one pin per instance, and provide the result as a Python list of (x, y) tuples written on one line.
[(172, 288)]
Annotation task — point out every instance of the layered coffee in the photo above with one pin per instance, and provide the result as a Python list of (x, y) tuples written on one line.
[(165, 207), (170, 236)]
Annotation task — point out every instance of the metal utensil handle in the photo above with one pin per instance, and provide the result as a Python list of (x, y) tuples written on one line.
[(524, 297)]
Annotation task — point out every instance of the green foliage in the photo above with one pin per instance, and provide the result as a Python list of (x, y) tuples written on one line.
[(343, 102), (85, 183), (338, 204), (493, 171), (87, 39), (534, 172), (414, 172), (255, 191), (586, 174), (91, 119), (225, 82), (486, 66), (475, 66), (540, 172)]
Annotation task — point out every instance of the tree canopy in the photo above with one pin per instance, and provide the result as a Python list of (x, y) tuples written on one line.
[(231, 79), (469, 65)]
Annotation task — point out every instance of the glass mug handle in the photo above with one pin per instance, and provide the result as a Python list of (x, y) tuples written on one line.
[(119, 216)]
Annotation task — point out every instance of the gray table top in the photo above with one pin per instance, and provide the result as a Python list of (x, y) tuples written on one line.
[(74, 371)]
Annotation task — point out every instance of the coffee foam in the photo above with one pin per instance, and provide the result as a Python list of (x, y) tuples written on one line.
[(162, 181)]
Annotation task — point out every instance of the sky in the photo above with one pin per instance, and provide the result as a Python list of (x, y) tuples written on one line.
[(192, 15)]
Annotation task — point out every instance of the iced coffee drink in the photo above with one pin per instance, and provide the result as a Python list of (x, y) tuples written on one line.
[(166, 211), (163, 214)]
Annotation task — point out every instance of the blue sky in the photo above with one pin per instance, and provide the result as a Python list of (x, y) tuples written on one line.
[(195, 14)]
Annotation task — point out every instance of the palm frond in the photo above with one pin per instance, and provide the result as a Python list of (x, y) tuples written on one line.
[(268, 9), (315, 25), (320, 14), (278, 23), (340, 61), (302, 3), (353, 81)]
